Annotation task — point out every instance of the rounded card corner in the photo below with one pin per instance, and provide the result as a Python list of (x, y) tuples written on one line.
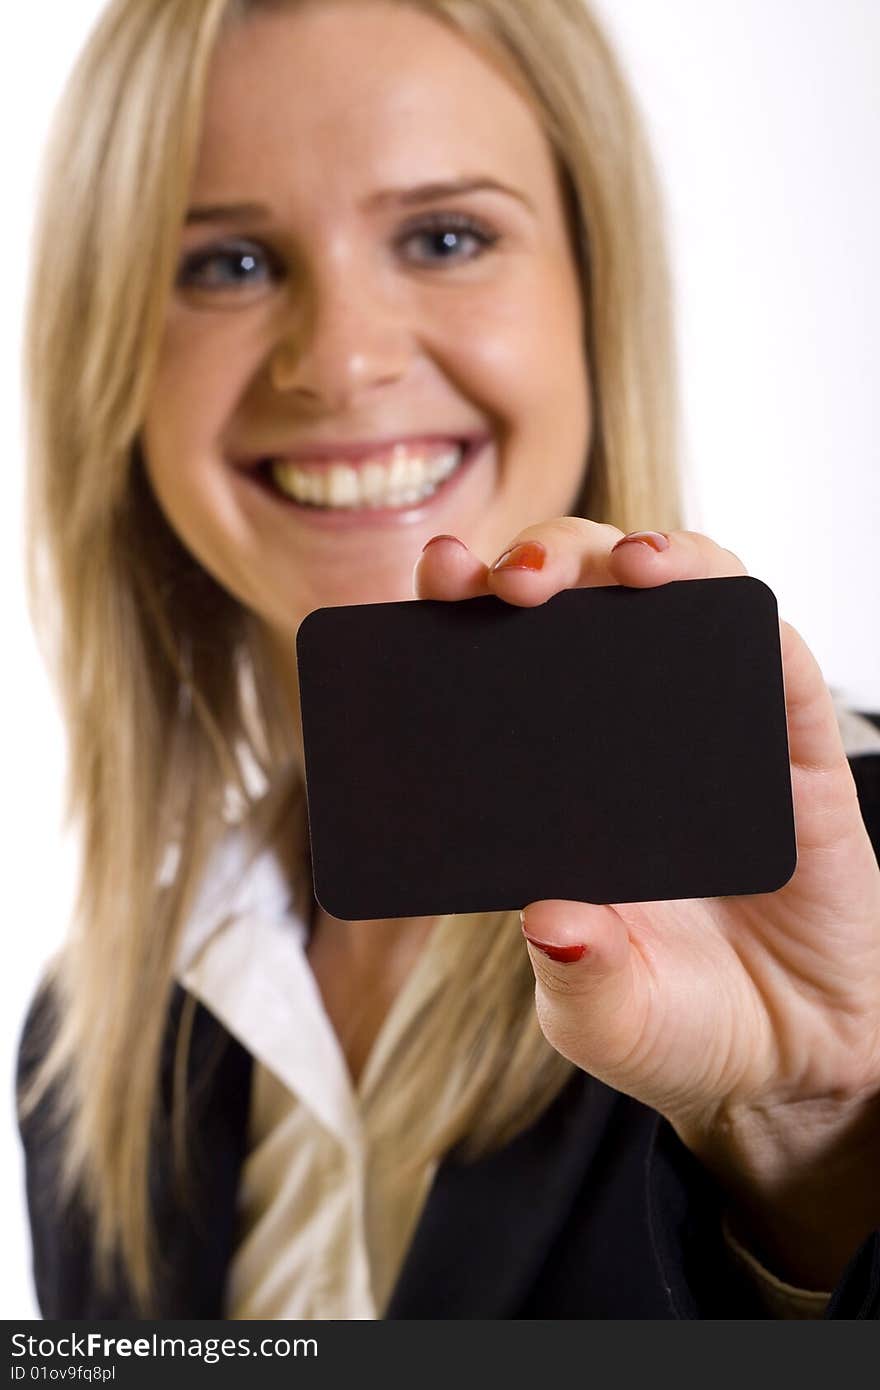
[(760, 586), (788, 872), (306, 621), (337, 910)]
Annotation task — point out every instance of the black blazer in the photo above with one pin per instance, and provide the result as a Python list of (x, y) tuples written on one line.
[(596, 1211)]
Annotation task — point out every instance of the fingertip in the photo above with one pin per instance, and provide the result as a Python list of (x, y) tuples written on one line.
[(447, 569), (638, 558), (640, 542), (568, 932), (435, 546), (439, 539), (528, 556)]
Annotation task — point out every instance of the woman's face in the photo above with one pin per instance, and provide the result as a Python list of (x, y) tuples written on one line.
[(375, 271)]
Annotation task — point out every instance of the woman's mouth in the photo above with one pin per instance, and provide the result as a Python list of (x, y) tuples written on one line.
[(410, 476), (398, 478)]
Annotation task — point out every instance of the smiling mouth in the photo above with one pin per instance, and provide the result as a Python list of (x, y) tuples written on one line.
[(404, 476)]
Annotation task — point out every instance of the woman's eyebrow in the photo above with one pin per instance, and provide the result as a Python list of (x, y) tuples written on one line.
[(404, 196), (228, 212), (449, 188)]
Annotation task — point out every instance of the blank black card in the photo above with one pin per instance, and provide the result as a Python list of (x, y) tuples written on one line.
[(611, 745)]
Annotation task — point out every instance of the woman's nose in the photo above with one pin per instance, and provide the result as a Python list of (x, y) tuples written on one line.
[(345, 341)]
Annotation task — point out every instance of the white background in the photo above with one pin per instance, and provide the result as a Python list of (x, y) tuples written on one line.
[(766, 121)]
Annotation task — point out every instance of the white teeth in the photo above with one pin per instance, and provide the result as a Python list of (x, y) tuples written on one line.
[(342, 486), (398, 473), (404, 480), (445, 464), (373, 479)]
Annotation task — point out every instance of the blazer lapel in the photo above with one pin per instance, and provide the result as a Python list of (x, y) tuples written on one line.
[(478, 1247), (196, 1238), (476, 1250)]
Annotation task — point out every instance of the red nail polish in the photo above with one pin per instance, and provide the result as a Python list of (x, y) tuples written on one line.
[(566, 954), (434, 539), (528, 556), (655, 539)]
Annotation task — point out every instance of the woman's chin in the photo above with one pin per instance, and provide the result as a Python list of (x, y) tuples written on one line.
[(338, 591)]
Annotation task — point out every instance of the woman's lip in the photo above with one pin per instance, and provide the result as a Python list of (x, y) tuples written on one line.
[(352, 518), (371, 450)]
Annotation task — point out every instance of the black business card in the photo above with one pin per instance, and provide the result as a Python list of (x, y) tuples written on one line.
[(611, 745)]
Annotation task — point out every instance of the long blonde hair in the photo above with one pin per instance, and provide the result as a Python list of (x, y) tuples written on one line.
[(165, 685)]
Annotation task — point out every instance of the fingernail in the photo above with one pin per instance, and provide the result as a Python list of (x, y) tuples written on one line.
[(528, 556), (566, 954), (434, 540), (655, 539)]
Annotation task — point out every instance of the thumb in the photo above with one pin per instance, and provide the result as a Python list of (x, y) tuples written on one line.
[(589, 994)]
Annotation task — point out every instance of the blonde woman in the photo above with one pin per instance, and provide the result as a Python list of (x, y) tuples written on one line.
[(283, 245)]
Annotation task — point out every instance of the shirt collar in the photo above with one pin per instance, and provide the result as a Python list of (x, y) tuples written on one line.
[(237, 882)]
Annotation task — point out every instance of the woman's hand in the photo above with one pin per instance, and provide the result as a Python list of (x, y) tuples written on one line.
[(752, 1023)]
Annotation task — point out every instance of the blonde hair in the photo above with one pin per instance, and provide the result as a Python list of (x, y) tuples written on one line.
[(163, 677)]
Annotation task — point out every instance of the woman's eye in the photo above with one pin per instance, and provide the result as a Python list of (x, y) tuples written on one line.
[(237, 266), (240, 266), (446, 238)]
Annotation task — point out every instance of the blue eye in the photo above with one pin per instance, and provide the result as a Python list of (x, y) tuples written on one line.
[(446, 237), (233, 266)]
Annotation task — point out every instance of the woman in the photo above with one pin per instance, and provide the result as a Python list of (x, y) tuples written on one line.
[(365, 295)]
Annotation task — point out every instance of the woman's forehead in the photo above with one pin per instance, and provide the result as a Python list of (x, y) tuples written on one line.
[(367, 90)]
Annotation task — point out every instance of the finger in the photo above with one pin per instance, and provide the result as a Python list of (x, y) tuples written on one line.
[(572, 552), (447, 569), (569, 552), (826, 800), (642, 560), (813, 733), (590, 993)]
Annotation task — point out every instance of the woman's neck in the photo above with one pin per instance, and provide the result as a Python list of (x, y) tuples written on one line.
[(360, 967), (371, 944)]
